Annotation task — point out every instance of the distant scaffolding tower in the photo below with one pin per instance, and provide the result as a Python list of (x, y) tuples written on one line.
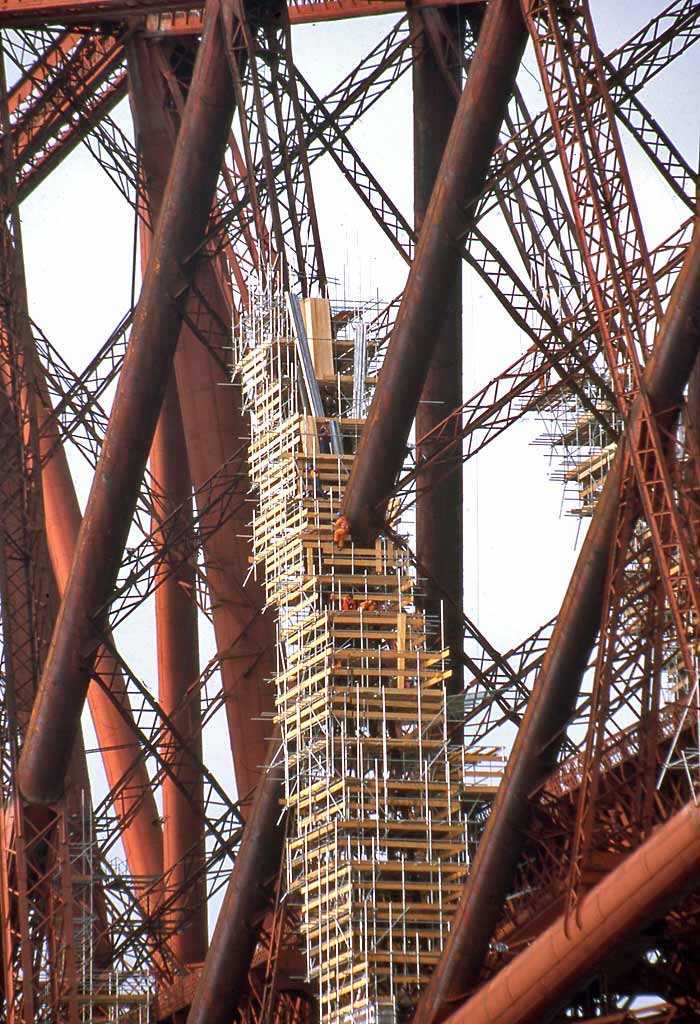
[(378, 794)]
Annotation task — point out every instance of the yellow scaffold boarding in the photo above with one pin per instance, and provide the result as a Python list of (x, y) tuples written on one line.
[(377, 786)]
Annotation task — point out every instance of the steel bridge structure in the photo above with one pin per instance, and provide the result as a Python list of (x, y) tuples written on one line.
[(160, 896)]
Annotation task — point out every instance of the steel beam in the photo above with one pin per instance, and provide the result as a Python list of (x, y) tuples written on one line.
[(76, 75), (431, 281), (177, 632), (559, 962), (555, 691), (439, 501), (60, 520), (184, 17), (224, 978), (215, 427), (136, 807), (114, 493), (120, 750), (184, 855)]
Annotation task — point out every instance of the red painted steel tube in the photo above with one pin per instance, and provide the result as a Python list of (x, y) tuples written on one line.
[(59, 520), (184, 854), (245, 638), (181, 226), (184, 15), (543, 977), (557, 685), (215, 428), (136, 807), (694, 405), (439, 501), (432, 276), (223, 979)]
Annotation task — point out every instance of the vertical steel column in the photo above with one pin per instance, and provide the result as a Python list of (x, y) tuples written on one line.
[(184, 853), (215, 430), (439, 503), (178, 667), (431, 280), (224, 978), (555, 691), (181, 226)]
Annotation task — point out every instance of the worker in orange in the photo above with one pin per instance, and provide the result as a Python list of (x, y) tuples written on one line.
[(349, 604), (368, 604), (341, 531)]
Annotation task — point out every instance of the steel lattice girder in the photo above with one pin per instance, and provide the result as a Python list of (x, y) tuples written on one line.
[(177, 26), (132, 423)]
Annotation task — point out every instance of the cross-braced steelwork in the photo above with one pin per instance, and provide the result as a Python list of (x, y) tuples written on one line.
[(256, 474)]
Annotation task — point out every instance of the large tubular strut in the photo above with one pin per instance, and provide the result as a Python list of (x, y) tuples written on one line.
[(565, 955), (184, 854), (186, 206), (557, 686), (118, 740), (136, 808), (214, 424), (224, 976), (432, 277), (439, 512)]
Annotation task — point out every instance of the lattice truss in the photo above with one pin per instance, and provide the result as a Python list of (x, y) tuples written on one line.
[(96, 890)]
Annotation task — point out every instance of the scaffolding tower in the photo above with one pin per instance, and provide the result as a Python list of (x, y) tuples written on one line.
[(378, 792)]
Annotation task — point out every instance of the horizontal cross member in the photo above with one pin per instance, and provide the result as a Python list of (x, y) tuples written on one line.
[(184, 16)]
